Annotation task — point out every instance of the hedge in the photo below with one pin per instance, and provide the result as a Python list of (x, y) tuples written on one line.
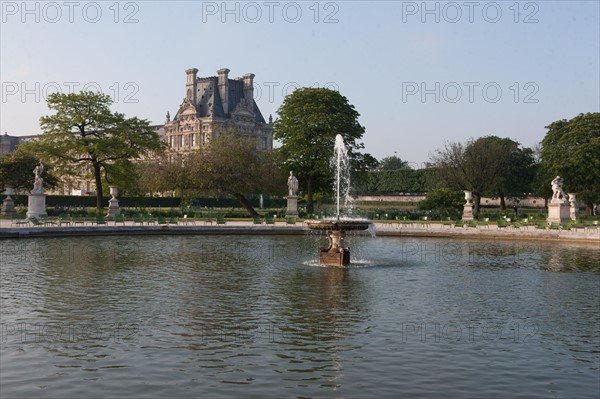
[(152, 202)]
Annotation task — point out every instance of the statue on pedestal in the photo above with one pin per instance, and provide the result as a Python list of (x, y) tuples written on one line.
[(292, 199), (558, 195), (36, 202), (292, 185), (558, 208), (38, 183)]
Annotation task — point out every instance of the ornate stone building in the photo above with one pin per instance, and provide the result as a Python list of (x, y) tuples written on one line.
[(215, 104)]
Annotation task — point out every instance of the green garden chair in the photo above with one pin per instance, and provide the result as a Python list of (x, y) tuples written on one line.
[(20, 220)]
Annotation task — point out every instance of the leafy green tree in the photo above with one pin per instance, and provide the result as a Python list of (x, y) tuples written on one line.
[(444, 201), (393, 163), (398, 181), (84, 131), (476, 166), (571, 149), (16, 171), (309, 119), (166, 172), (517, 175), (231, 164)]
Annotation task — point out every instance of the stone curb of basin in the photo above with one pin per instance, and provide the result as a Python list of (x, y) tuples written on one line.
[(247, 228)]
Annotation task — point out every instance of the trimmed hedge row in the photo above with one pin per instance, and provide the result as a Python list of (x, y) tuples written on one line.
[(151, 202)]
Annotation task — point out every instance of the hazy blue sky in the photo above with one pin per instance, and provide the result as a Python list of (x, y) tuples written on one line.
[(418, 73)]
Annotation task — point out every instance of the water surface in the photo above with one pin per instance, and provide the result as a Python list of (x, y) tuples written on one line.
[(218, 316)]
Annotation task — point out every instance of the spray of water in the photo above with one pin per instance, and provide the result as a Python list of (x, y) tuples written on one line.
[(341, 185)]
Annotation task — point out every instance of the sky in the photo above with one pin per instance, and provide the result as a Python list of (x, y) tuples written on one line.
[(420, 74)]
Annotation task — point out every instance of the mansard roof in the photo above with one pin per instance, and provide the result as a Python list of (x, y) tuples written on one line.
[(210, 104)]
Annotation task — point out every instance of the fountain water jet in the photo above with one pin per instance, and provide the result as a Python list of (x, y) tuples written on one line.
[(335, 254)]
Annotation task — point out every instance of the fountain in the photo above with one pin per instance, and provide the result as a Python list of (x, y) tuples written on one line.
[(335, 254)]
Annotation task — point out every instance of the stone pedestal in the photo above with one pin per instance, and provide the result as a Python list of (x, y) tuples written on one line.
[(113, 203), (8, 207), (292, 206), (468, 207), (113, 208), (467, 212), (574, 215), (558, 212), (36, 205)]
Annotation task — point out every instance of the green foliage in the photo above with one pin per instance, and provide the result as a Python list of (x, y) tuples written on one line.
[(393, 163), (83, 131), (309, 119), (16, 170), (484, 166), (444, 201), (397, 181), (571, 150), (230, 164)]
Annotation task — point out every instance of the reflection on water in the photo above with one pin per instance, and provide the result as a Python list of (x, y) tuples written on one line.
[(238, 315)]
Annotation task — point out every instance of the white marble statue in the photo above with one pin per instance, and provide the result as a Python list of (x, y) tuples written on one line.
[(38, 183), (557, 191), (292, 185)]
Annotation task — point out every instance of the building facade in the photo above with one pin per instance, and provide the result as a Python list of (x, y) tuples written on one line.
[(215, 104)]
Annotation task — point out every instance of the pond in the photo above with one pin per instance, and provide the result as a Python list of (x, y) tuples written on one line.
[(231, 316)]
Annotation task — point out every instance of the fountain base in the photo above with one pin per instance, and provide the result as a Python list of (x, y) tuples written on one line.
[(336, 254), (333, 258)]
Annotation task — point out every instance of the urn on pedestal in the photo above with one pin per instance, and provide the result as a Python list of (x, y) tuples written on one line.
[(113, 203), (468, 207), (8, 205)]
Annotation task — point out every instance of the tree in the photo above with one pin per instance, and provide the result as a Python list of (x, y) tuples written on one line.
[(517, 175), (309, 119), (84, 131), (475, 166), (232, 164), (444, 201), (16, 171), (393, 163), (571, 150)]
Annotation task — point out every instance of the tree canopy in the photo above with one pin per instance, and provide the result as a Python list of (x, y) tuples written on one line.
[(484, 166), (309, 119), (229, 164), (393, 163), (571, 149), (16, 171), (83, 131), (232, 164)]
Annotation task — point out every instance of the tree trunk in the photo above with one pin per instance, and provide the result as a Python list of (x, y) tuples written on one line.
[(589, 208), (98, 178), (309, 195), (502, 202), (476, 203), (246, 204)]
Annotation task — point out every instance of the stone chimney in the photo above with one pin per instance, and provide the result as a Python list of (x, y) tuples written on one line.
[(191, 85), (224, 88), (249, 86)]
